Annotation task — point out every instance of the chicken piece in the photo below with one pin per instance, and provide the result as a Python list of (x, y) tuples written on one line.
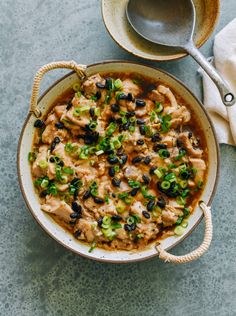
[(89, 86), (146, 109), (60, 152), (51, 172), (121, 233), (51, 118), (149, 230), (75, 122), (155, 95), (58, 208), (138, 208), (200, 166), (62, 187), (181, 113), (130, 87), (104, 186), (184, 139), (167, 92), (132, 173), (51, 132), (59, 110), (88, 229), (170, 215), (38, 171), (108, 209)]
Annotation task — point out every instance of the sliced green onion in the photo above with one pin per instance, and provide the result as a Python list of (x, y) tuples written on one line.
[(183, 184), (43, 164), (78, 94), (117, 168), (124, 120), (93, 246), (85, 108), (93, 125), (179, 220), (134, 184), (97, 111), (163, 153), (140, 236), (76, 112), (186, 211), (109, 233), (31, 156), (76, 86), (180, 200), (99, 152), (132, 119), (93, 98), (184, 224), (111, 128), (132, 129), (116, 143), (179, 230), (68, 170), (118, 84), (130, 220), (165, 185), (120, 209), (158, 173), (44, 183), (64, 179), (159, 107), (152, 116), (170, 177)]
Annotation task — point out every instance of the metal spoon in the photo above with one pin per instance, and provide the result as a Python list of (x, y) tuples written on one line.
[(171, 23)]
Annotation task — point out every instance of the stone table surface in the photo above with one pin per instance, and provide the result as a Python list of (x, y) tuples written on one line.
[(37, 275)]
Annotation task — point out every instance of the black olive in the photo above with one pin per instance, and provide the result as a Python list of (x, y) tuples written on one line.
[(74, 181), (77, 233), (100, 85), (179, 143), (100, 221), (127, 227), (147, 160), (109, 151), (116, 218), (134, 191), (151, 170), (146, 214), (115, 108), (137, 159), (91, 112), (39, 124), (124, 159), (43, 193), (140, 122), (52, 159), (130, 114), (61, 163), (98, 95), (86, 195), (116, 182), (59, 125), (157, 147), (111, 171), (112, 160), (98, 200), (156, 138), (140, 142), (161, 202), (133, 226), (140, 103), (75, 215), (69, 105), (142, 129), (150, 205), (146, 178), (129, 97), (76, 207)]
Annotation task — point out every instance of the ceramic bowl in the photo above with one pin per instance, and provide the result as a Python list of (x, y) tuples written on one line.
[(114, 17), (60, 234)]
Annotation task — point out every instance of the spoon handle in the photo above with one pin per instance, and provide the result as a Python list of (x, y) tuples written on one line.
[(227, 96)]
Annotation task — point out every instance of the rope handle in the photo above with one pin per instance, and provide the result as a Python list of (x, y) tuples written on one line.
[(79, 69), (197, 253)]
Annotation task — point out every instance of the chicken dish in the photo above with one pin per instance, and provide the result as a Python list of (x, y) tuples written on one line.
[(120, 161)]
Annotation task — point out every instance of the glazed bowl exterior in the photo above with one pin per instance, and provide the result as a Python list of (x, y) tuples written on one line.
[(58, 232)]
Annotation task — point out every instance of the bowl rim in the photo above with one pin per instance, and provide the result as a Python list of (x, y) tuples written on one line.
[(176, 56), (26, 199)]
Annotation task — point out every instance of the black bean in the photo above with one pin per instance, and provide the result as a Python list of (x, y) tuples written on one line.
[(88, 140), (140, 122), (147, 160), (126, 126), (91, 112), (113, 195), (140, 103), (77, 233), (61, 163), (150, 205), (109, 151), (190, 135), (39, 124), (43, 193), (115, 108), (75, 215), (76, 207), (54, 143), (151, 87), (98, 200), (52, 159), (98, 95), (74, 181), (130, 114), (86, 195), (146, 214), (122, 96), (111, 171), (57, 140), (119, 151), (157, 147), (161, 202), (134, 191), (151, 170), (80, 136), (100, 221), (59, 125), (129, 97), (76, 192), (69, 105), (156, 138), (116, 218), (111, 119), (127, 227), (142, 129), (137, 159), (179, 143), (100, 85), (119, 120), (140, 142), (116, 182), (133, 226), (112, 160), (145, 178)]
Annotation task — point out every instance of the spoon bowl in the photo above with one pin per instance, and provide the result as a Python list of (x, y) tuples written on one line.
[(171, 23)]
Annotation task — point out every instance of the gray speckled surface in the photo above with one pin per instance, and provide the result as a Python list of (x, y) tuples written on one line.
[(40, 277)]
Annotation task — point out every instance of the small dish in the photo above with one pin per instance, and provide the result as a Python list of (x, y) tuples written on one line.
[(114, 17)]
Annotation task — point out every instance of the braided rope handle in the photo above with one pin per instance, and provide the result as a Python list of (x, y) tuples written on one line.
[(197, 253), (79, 69)]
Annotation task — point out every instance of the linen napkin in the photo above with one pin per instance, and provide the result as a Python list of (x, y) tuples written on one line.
[(224, 60)]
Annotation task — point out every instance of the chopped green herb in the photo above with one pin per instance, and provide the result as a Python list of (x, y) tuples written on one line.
[(32, 156), (68, 170)]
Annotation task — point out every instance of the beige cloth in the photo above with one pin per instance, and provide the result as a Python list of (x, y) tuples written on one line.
[(224, 118)]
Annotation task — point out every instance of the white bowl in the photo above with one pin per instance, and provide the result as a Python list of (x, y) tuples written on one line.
[(60, 234)]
